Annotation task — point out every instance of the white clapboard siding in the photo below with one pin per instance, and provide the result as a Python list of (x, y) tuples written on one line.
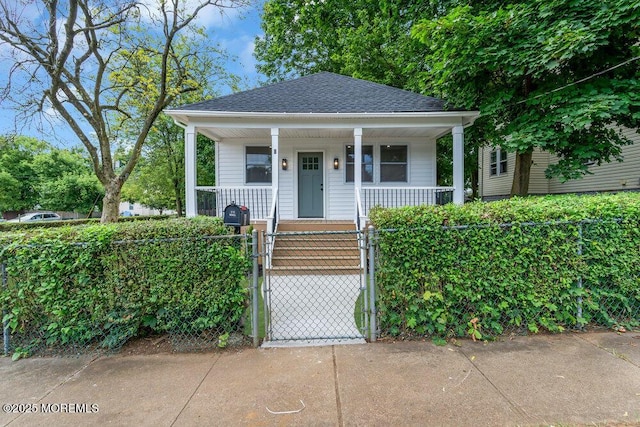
[(339, 198), (614, 176)]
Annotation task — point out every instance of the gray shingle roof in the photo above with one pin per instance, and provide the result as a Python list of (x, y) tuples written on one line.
[(322, 93)]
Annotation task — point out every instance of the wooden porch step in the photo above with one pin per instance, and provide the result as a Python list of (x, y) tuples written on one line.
[(316, 241), (324, 251), (313, 270), (316, 225), (316, 261), (315, 247)]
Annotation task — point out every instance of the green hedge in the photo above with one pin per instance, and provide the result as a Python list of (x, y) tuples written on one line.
[(103, 284), (18, 226), (484, 269)]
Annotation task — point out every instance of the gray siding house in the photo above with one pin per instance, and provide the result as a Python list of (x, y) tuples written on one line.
[(496, 173)]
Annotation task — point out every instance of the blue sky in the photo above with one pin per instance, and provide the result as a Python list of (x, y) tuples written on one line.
[(235, 31)]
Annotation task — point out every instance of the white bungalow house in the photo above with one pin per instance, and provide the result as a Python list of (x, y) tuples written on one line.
[(324, 147)]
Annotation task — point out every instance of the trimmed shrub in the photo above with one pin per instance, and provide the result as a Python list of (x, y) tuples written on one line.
[(103, 284), (518, 265)]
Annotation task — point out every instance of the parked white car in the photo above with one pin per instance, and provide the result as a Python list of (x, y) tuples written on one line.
[(37, 216)]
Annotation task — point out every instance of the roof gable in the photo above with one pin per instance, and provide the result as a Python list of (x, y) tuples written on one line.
[(322, 93)]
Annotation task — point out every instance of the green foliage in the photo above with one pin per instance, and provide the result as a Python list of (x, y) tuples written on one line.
[(366, 39), (540, 81), (18, 179), (36, 173), (103, 284), (483, 268)]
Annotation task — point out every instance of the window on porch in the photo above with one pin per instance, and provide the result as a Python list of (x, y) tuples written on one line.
[(258, 164), (393, 163), (367, 163)]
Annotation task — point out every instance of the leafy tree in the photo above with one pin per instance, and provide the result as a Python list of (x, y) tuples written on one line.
[(550, 74), (36, 174), (367, 39), (88, 60), (71, 192), (159, 181), (18, 179)]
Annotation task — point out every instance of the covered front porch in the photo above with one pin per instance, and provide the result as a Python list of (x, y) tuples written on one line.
[(324, 173), (323, 146)]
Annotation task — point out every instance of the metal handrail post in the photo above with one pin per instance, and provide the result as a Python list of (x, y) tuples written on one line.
[(372, 286), (254, 296)]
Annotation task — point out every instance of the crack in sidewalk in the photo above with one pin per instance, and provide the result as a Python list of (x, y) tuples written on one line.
[(514, 406), (195, 391), (612, 351), (337, 387), (57, 386)]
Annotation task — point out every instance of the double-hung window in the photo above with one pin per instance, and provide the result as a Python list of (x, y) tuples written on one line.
[(498, 162), (393, 163), (367, 163), (258, 164)]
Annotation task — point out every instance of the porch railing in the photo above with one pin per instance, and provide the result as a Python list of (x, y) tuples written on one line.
[(272, 226), (213, 200), (394, 197)]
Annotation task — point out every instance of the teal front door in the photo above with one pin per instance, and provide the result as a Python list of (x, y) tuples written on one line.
[(310, 185)]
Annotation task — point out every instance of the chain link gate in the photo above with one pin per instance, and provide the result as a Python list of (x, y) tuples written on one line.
[(316, 287)]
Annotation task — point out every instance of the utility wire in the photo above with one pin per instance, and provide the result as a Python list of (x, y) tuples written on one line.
[(580, 81)]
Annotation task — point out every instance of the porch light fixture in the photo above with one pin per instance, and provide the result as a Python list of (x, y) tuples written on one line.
[(285, 165), (336, 163)]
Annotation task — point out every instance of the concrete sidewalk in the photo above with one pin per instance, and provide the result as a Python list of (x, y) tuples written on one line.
[(571, 379)]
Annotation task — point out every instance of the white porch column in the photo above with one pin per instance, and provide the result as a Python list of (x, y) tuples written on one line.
[(275, 164), (357, 162), (191, 201), (458, 165)]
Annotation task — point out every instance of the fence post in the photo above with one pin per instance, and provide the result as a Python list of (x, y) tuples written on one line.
[(579, 314), (5, 323), (372, 286), (254, 289)]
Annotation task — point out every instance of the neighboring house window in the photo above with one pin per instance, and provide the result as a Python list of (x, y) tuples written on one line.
[(393, 163), (258, 161), (367, 163), (498, 162)]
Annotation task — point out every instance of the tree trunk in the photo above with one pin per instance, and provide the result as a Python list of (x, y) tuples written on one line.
[(521, 174), (111, 202), (178, 195), (474, 183)]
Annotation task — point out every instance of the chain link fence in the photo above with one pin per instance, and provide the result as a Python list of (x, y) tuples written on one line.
[(191, 294), (314, 287), (483, 281)]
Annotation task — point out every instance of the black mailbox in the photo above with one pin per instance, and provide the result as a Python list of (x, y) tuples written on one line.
[(236, 216)]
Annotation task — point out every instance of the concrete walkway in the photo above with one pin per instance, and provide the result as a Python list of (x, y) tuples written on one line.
[(313, 309), (571, 379)]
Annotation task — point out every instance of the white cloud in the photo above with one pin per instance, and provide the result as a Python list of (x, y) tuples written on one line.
[(212, 16)]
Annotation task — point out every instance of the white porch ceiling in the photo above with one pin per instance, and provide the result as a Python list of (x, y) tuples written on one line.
[(220, 134)]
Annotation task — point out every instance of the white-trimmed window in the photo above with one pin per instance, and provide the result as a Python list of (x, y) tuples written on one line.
[(258, 164), (393, 163), (497, 162), (367, 163)]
